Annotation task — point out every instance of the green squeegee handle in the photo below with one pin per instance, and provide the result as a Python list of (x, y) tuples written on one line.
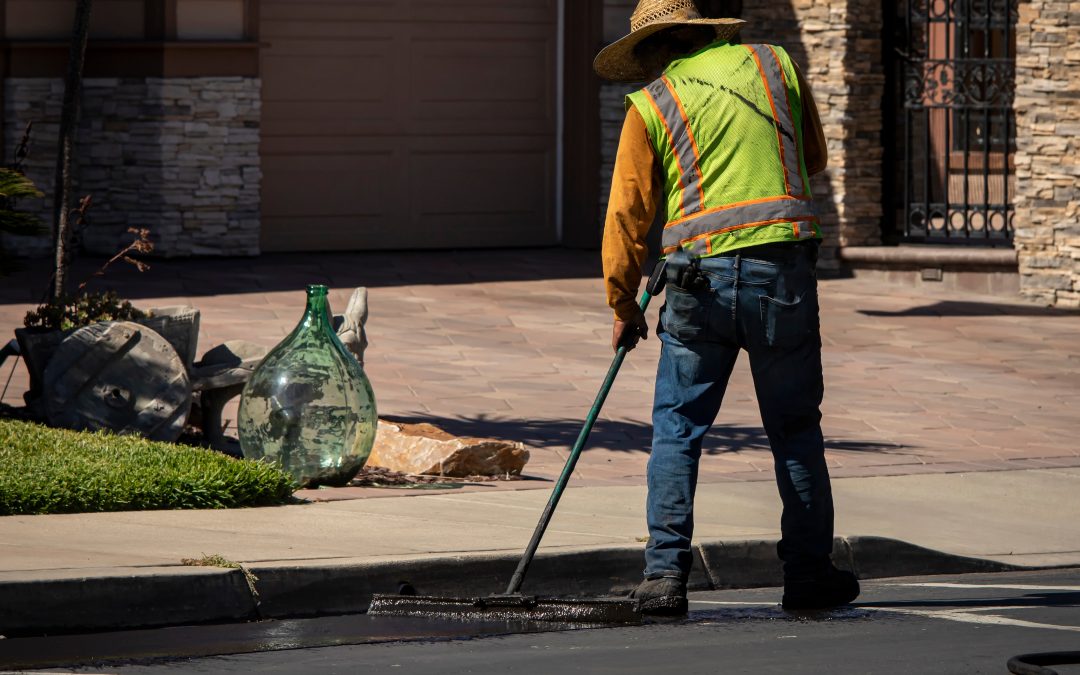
[(655, 285)]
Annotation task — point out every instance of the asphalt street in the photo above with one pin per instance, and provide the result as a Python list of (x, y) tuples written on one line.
[(947, 624)]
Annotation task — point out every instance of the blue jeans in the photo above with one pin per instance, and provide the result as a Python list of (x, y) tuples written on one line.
[(764, 301)]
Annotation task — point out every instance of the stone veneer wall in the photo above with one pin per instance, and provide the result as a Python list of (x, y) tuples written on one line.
[(837, 43), (179, 156), (1047, 222)]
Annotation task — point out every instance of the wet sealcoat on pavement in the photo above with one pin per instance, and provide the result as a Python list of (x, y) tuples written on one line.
[(953, 624)]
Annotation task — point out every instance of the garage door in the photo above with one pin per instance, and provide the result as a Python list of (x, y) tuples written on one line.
[(408, 123)]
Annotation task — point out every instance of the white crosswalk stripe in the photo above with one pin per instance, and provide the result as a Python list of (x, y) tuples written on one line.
[(969, 616), (1007, 587)]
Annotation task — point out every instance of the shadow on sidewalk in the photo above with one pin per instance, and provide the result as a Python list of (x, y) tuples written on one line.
[(291, 272), (962, 308), (622, 435)]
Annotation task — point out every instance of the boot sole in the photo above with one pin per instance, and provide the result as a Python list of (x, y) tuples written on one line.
[(666, 606)]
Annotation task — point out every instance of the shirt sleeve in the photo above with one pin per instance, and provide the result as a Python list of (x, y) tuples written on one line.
[(815, 149), (631, 209)]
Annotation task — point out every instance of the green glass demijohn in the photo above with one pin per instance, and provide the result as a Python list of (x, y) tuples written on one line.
[(308, 406)]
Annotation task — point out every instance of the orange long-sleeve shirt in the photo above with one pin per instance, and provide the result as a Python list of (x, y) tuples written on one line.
[(637, 191)]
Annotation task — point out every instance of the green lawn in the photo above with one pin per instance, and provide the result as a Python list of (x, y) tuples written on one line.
[(45, 470)]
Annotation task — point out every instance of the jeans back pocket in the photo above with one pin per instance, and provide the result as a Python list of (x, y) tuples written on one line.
[(686, 313), (787, 323)]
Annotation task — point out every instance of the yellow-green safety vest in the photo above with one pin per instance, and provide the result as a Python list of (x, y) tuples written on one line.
[(726, 124)]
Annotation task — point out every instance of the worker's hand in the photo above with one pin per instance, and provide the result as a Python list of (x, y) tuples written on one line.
[(627, 333)]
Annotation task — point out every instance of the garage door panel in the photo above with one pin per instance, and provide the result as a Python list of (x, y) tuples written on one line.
[(408, 123), (482, 230), (515, 11), (411, 11), (469, 81), (486, 199), (312, 79), (469, 171), (473, 182), (367, 184), (364, 232), (330, 146), (450, 86), (371, 233), (339, 122), (352, 43)]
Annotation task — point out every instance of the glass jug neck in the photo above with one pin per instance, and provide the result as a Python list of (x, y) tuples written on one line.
[(318, 307)]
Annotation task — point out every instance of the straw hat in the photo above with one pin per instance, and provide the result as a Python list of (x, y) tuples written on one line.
[(618, 62)]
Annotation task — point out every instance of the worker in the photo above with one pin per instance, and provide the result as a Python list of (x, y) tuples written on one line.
[(723, 142)]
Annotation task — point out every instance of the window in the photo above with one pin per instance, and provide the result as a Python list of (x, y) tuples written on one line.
[(210, 19), (52, 19)]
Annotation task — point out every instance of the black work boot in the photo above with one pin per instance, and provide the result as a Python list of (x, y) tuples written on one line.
[(665, 596), (830, 588)]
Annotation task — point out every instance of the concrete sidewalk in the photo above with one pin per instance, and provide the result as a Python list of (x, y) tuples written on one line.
[(102, 571), (950, 423), (1014, 517), (1018, 517)]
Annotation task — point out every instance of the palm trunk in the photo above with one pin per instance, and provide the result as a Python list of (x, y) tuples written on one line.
[(69, 123)]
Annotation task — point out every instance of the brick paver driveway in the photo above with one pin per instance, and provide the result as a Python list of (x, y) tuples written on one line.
[(515, 343)]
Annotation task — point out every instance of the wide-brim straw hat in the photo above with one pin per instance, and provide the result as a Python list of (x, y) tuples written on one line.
[(618, 62)]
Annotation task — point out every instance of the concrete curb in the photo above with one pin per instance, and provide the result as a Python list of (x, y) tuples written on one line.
[(59, 601), (34, 603), (753, 564), (929, 256)]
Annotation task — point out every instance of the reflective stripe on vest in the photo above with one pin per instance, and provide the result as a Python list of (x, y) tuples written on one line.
[(693, 234), (772, 76), (697, 223), (663, 98)]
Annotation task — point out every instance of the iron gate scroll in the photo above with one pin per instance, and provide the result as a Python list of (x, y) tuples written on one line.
[(957, 75)]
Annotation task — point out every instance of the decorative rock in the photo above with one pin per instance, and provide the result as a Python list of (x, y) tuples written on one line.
[(37, 346), (179, 325), (120, 376), (219, 377), (428, 450), (350, 325), (227, 364)]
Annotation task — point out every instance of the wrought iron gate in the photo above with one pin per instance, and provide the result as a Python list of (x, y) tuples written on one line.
[(956, 68)]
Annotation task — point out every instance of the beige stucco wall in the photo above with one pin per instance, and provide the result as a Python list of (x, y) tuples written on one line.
[(52, 19), (121, 19)]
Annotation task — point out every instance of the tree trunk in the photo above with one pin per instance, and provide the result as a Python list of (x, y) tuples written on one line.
[(69, 123)]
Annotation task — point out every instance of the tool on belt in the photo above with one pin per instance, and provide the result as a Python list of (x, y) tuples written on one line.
[(683, 271)]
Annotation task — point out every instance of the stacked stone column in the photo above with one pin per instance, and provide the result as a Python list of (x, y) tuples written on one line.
[(1047, 220), (837, 44), (179, 156)]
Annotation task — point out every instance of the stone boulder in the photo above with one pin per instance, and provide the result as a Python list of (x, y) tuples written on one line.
[(425, 449)]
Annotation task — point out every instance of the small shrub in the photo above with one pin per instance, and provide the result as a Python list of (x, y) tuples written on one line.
[(68, 312), (45, 470), (82, 310), (13, 186)]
